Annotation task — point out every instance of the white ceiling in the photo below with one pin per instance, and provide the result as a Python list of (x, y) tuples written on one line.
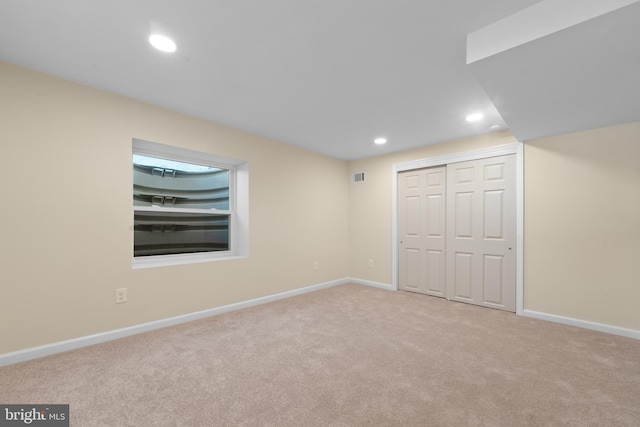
[(331, 75), (568, 78)]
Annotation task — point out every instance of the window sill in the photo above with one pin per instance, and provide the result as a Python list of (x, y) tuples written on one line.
[(167, 260)]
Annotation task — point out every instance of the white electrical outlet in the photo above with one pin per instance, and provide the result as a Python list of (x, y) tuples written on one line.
[(315, 265), (370, 263), (121, 295)]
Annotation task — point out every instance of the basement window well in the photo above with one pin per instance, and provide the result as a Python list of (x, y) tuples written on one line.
[(187, 206)]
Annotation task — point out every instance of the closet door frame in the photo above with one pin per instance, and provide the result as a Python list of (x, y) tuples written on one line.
[(498, 150)]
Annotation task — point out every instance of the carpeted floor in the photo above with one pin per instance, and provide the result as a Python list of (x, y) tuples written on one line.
[(345, 356)]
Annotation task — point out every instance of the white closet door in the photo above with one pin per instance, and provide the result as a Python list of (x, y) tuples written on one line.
[(481, 232), (421, 211)]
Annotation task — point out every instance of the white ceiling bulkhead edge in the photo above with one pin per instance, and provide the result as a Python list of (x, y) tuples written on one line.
[(561, 66)]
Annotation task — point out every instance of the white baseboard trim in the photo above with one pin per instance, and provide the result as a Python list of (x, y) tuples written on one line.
[(72, 344), (370, 283), (62, 346), (600, 327)]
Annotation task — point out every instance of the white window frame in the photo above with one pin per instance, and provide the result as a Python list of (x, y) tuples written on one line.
[(238, 205)]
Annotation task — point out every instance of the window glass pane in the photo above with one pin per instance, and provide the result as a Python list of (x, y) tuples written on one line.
[(166, 233), (167, 183)]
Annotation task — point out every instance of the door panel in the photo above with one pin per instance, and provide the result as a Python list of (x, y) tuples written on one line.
[(462, 276), (464, 175), (494, 172), (413, 269), (493, 214), (413, 216), (463, 215), (480, 255), (493, 283), (435, 216), (435, 271), (422, 230)]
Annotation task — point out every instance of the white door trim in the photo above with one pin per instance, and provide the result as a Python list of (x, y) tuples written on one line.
[(498, 150)]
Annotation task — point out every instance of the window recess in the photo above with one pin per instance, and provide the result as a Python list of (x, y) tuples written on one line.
[(184, 206)]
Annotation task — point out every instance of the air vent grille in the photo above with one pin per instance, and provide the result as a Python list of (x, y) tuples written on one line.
[(357, 177)]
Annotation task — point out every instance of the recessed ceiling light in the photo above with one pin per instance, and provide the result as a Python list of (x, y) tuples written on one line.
[(162, 43), (474, 117), (380, 141), (495, 126)]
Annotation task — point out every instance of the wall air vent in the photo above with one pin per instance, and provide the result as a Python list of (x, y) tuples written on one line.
[(357, 177)]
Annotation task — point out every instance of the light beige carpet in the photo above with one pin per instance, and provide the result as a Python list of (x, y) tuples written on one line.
[(345, 356)]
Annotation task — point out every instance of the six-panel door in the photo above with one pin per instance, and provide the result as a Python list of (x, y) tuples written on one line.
[(481, 231), (421, 210), (457, 231)]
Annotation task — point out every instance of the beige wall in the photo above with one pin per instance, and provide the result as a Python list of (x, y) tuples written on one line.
[(582, 225), (67, 214)]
